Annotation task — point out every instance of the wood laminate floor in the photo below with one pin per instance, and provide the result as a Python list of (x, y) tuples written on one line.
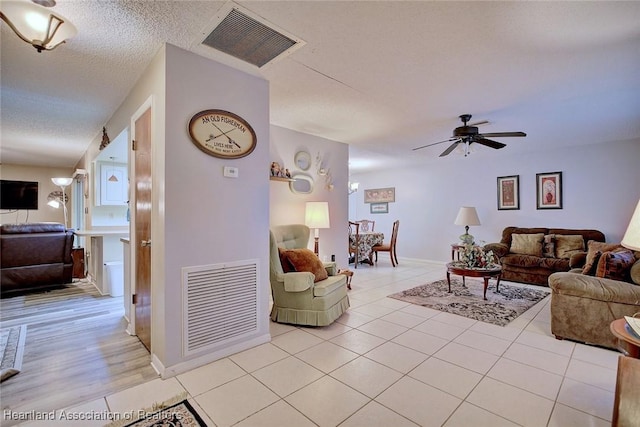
[(76, 349)]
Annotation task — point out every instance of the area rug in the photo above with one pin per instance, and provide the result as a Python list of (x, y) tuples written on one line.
[(499, 309), (11, 350), (180, 414)]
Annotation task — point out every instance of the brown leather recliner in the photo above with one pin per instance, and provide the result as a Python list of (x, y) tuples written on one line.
[(34, 256)]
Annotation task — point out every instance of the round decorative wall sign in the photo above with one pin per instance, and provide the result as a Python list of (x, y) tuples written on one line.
[(222, 134)]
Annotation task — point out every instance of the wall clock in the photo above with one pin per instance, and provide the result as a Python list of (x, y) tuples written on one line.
[(222, 134)]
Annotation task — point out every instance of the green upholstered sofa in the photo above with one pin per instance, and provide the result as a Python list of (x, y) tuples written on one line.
[(297, 298)]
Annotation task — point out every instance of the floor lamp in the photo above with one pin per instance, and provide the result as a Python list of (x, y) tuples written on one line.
[(316, 216), (62, 183), (631, 237)]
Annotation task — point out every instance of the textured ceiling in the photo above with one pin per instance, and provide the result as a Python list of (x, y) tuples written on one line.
[(383, 76)]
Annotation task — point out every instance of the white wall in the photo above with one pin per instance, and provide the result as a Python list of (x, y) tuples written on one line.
[(287, 207), (198, 216), (43, 176), (601, 186), (207, 218)]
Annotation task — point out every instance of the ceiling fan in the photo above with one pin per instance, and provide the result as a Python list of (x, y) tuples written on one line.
[(467, 134)]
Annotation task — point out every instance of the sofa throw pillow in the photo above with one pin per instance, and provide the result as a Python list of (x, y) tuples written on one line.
[(305, 260), (594, 251), (549, 246), (615, 265), (568, 244), (284, 261), (527, 244)]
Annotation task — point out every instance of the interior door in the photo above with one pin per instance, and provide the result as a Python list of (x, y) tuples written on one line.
[(142, 231)]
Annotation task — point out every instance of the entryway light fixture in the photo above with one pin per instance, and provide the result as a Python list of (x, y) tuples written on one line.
[(62, 183), (37, 25)]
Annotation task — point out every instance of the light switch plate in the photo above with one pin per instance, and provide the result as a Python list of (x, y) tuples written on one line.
[(230, 172)]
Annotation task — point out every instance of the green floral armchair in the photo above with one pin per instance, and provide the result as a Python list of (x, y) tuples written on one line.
[(297, 298)]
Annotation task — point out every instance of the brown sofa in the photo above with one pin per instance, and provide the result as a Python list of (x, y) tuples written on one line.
[(34, 256), (536, 269), (583, 306)]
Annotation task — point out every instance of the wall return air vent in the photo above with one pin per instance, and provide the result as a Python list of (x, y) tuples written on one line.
[(250, 40)]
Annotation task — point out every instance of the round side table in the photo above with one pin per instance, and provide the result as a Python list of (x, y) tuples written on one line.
[(485, 273), (628, 344)]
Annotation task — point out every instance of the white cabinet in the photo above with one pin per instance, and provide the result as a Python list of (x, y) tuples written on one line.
[(113, 184)]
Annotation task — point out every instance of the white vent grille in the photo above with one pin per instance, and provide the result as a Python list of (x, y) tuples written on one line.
[(249, 40), (220, 304)]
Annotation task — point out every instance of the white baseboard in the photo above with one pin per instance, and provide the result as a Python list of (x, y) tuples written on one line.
[(179, 368)]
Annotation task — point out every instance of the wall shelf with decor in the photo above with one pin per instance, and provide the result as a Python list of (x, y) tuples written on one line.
[(281, 179)]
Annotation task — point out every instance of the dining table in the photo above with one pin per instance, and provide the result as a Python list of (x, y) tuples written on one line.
[(366, 241)]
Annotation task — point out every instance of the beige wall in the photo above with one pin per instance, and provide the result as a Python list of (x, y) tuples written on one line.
[(43, 176)]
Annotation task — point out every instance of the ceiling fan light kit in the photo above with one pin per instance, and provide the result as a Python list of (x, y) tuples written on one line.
[(467, 134), (36, 24)]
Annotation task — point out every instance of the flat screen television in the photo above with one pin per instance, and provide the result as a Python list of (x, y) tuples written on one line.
[(18, 195)]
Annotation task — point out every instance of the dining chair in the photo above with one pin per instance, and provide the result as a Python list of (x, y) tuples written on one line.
[(354, 241), (366, 225), (391, 247)]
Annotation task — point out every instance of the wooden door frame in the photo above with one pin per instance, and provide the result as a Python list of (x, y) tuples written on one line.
[(148, 104)]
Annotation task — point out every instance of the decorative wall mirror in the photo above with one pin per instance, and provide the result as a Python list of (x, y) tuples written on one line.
[(301, 184), (303, 160)]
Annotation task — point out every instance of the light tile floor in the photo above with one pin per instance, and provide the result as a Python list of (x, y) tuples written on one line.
[(389, 363)]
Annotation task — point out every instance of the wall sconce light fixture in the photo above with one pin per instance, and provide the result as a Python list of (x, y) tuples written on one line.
[(353, 187)]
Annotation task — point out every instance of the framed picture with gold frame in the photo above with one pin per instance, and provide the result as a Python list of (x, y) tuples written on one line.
[(380, 195)]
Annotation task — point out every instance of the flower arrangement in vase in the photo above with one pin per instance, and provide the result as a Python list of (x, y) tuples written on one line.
[(472, 256)]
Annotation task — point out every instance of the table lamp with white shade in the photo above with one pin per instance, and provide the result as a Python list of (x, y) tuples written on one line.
[(631, 238), (316, 216), (62, 183), (467, 216)]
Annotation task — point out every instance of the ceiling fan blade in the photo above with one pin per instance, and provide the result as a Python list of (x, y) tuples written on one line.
[(450, 149), (435, 143), (502, 134), (481, 122), (489, 143)]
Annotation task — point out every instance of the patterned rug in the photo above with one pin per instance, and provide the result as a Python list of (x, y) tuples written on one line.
[(499, 309), (11, 350), (180, 414)]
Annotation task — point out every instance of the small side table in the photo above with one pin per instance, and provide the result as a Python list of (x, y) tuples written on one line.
[(627, 343), (77, 255), (455, 251)]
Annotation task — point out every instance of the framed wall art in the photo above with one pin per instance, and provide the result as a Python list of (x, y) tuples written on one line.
[(379, 195), (379, 208), (509, 192), (549, 190)]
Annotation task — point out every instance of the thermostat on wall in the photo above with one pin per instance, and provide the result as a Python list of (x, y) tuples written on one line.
[(230, 172)]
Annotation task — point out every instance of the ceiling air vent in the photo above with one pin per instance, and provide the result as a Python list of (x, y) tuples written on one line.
[(248, 39)]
